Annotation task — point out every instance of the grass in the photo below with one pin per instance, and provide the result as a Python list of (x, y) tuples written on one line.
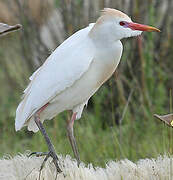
[(100, 136), (136, 139)]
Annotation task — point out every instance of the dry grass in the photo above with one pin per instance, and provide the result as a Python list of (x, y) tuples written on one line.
[(22, 167), (38, 10)]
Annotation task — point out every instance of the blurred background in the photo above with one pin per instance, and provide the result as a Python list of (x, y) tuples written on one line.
[(118, 122)]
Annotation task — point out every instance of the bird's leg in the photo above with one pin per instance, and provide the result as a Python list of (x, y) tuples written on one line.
[(71, 136), (47, 139)]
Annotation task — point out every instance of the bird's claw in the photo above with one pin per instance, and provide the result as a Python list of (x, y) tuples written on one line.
[(38, 154), (47, 154)]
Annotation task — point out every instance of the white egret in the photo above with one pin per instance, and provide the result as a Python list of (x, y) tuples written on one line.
[(74, 72)]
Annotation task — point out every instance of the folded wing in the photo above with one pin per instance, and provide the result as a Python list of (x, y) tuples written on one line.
[(62, 68)]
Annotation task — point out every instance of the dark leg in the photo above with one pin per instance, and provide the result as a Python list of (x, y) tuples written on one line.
[(47, 139), (72, 138)]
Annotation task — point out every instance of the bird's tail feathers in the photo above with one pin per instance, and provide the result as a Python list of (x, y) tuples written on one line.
[(22, 114)]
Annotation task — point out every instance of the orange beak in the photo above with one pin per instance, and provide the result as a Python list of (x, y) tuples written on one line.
[(141, 27)]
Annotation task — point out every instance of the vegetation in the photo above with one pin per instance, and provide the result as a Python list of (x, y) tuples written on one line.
[(118, 122)]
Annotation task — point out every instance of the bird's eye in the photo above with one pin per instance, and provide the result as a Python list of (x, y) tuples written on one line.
[(122, 23)]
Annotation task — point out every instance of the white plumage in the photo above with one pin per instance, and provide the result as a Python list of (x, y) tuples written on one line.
[(62, 68), (73, 73), (75, 70)]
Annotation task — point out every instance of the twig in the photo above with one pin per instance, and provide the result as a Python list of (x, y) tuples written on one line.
[(124, 112), (126, 106)]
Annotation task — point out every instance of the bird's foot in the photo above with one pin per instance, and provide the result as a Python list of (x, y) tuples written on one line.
[(47, 154), (38, 154)]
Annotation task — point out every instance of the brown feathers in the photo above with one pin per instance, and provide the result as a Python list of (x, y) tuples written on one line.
[(106, 15), (5, 28), (113, 12), (167, 119)]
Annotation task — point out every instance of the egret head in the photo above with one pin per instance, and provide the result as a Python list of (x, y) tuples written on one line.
[(116, 25)]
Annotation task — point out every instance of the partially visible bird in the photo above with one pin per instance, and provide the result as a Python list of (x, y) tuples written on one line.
[(5, 28), (167, 119), (74, 72)]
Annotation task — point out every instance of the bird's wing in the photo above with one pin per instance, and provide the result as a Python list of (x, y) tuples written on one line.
[(62, 68)]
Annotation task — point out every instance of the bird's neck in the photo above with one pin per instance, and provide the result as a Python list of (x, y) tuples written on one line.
[(101, 36), (104, 43)]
